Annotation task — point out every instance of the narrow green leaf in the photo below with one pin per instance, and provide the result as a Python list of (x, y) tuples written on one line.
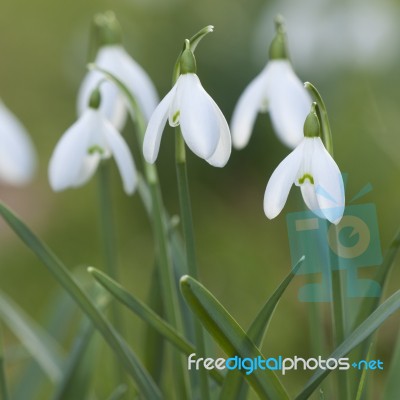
[(3, 381), (233, 387), (128, 359), (43, 348), (58, 317), (230, 336), (154, 346), (392, 387), (147, 314), (363, 380), (369, 304), (118, 393), (362, 332), (79, 367)]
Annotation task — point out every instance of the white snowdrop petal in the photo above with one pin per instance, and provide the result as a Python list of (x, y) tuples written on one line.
[(122, 156), (155, 128), (198, 120), (246, 110), (17, 154), (137, 80), (328, 182), (223, 151), (70, 152), (289, 102), (310, 198), (281, 181), (87, 169), (113, 104)]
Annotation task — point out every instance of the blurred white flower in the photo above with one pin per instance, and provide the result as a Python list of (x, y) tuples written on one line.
[(328, 35), (78, 153), (202, 123), (114, 59), (278, 90), (17, 154), (312, 168)]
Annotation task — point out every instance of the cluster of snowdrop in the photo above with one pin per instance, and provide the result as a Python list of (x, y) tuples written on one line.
[(103, 109)]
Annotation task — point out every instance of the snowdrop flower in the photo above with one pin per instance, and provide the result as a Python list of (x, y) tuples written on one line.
[(113, 58), (312, 168), (278, 90), (202, 123), (84, 145), (17, 155)]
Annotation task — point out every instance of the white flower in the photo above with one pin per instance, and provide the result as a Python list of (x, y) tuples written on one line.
[(17, 155), (278, 90), (202, 123), (81, 148), (114, 59), (312, 168)]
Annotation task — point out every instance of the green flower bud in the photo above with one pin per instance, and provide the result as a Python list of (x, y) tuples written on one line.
[(187, 60), (279, 49), (107, 28), (312, 126)]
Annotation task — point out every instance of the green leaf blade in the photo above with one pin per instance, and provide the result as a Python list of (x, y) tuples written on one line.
[(230, 336), (62, 275), (362, 332)]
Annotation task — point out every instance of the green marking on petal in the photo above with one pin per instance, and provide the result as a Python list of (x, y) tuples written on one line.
[(96, 149), (176, 116), (305, 177)]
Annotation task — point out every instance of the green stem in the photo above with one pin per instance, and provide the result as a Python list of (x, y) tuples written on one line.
[(188, 233), (166, 272), (323, 117), (3, 382), (339, 323), (108, 242)]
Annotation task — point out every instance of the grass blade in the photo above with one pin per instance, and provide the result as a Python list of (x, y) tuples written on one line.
[(118, 393), (230, 336), (3, 381), (147, 314), (233, 387), (77, 373), (370, 304), (43, 348), (128, 359), (362, 332)]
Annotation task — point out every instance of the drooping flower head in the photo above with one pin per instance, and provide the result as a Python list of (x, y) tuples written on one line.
[(310, 167), (113, 58), (17, 154), (84, 145), (276, 90), (188, 105)]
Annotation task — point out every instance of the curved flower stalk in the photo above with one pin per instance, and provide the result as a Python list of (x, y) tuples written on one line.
[(84, 145), (312, 168), (17, 154), (276, 90), (204, 127), (113, 58)]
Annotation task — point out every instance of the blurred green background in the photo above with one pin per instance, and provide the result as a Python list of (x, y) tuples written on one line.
[(242, 255)]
